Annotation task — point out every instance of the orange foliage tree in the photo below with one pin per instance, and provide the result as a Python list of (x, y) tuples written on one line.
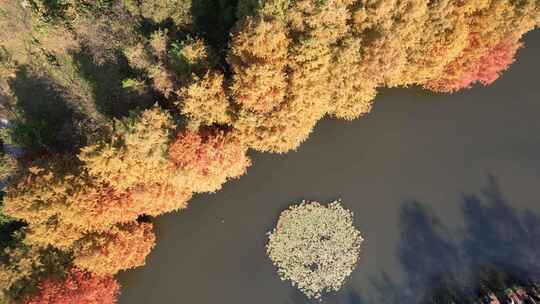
[(463, 72), (204, 101), (289, 64), (76, 287), (121, 247), (203, 161)]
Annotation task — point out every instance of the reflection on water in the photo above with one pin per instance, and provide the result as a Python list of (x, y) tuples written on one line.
[(443, 188), (441, 263), (499, 246)]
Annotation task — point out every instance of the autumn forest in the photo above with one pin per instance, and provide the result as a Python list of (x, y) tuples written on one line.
[(115, 112)]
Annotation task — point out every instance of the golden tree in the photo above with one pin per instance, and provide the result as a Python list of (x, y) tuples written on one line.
[(204, 101), (121, 247), (134, 152), (258, 59), (203, 161)]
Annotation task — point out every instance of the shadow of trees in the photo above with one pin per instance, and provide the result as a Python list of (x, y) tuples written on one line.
[(213, 20), (431, 257), (111, 98), (498, 247), (499, 234), (49, 116), (46, 121)]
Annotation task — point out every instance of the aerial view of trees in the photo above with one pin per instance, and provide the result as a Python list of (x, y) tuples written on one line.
[(123, 110)]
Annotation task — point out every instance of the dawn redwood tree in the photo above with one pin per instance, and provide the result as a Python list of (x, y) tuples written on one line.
[(496, 61), (288, 64), (352, 94), (120, 247), (53, 232), (202, 161), (280, 115), (99, 206), (160, 198), (133, 152), (40, 197), (258, 58), (204, 101), (466, 71), (39, 193), (78, 286)]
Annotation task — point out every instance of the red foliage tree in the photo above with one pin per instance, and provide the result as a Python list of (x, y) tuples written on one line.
[(79, 287), (203, 161), (469, 69)]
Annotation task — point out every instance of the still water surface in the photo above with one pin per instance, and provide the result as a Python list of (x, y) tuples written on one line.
[(439, 184)]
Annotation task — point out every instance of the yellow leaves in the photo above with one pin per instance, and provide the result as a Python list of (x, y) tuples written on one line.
[(204, 101), (97, 207), (279, 109), (203, 161), (122, 247), (23, 266), (328, 57), (38, 195), (35, 170), (134, 154), (258, 59), (289, 64), (352, 94), (268, 8), (158, 42), (281, 130), (260, 88), (21, 262), (52, 232), (194, 52), (159, 199), (93, 208), (269, 119), (326, 21), (259, 39)]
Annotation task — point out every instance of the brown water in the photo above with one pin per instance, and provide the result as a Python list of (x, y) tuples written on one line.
[(439, 184)]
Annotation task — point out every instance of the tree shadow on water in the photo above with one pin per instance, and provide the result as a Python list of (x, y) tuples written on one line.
[(501, 235), (430, 256), (499, 246)]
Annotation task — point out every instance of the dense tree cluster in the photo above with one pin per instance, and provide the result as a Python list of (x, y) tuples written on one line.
[(125, 109)]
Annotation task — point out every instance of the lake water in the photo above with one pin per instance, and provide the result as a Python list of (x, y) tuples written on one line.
[(439, 185)]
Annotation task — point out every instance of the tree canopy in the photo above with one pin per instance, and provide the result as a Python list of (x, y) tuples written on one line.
[(126, 109)]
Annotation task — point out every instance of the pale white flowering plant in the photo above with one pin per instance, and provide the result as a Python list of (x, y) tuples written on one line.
[(315, 246)]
